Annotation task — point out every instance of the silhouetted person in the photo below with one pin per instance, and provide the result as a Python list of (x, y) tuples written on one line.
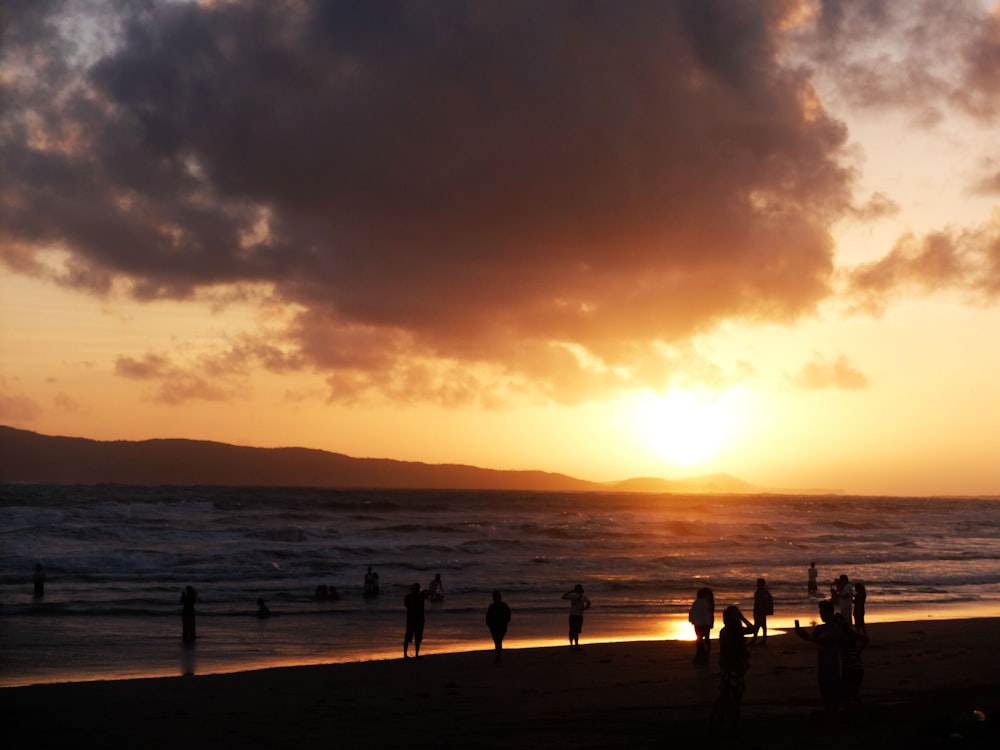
[(846, 598), (188, 597), (763, 605), (437, 589), (39, 581), (860, 599), (828, 636), (371, 583), (578, 603), (812, 585), (262, 609), (322, 593), (852, 671), (497, 619), (734, 661), (414, 603), (702, 617)]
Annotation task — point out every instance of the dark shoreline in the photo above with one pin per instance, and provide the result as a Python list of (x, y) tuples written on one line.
[(920, 677)]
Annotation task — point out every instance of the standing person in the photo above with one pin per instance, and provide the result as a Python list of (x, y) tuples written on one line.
[(414, 603), (852, 671), (39, 580), (497, 619), (702, 616), (860, 599), (763, 605), (437, 589), (578, 603), (734, 661), (262, 609), (828, 636), (812, 585), (188, 597), (371, 583), (846, 598)]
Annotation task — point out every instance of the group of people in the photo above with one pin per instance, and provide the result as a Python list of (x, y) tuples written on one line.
[(840, 637), (497, 617)]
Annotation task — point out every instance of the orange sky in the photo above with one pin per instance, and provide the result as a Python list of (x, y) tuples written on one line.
[(643, 239)]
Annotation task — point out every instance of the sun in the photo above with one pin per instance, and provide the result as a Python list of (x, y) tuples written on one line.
[(686, 427)]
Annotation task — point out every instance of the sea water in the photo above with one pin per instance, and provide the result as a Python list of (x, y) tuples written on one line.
[(116, 558)]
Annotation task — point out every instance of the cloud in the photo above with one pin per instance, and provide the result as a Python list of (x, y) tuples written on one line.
[(923, 57), (452, 197), (822, 373), (967, 261), (177, 384), (16, 407)]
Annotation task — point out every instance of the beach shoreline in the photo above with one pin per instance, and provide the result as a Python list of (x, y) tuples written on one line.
[(921, 678), (37, 650)]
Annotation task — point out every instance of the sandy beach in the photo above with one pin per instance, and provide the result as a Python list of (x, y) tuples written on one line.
[(920, 677)]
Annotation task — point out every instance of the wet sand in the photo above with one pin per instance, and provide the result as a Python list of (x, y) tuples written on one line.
[(919, 677)]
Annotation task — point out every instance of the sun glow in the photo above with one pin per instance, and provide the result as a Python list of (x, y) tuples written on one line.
[(686, 426)]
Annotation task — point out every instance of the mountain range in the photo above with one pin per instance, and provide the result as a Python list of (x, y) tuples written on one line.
[(27, 456)]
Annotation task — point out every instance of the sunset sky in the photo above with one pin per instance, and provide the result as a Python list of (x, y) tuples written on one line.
[(598, 238)]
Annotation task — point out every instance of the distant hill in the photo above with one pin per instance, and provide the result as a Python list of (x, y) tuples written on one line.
[(709, 483), (30, 457)]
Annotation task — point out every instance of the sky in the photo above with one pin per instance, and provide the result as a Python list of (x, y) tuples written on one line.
[(611, 240)]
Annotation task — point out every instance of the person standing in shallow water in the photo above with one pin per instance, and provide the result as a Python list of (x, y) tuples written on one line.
[(371, 583), (578, 603), (812, 585), (497, 619), (188, 597), (39, 581)]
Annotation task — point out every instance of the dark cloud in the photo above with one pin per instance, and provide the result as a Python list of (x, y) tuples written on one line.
[(542, 190)]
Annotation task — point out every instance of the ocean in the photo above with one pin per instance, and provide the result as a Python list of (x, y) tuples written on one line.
[(116, 558)]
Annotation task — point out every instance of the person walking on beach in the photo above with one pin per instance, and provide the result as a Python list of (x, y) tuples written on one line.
[(812, 585), (763, 605), (414, 603), (846, 598), (188, 597), (578, 603), (828, 637), (497, 619), (702, 617), (39, 581), (860, 599), (734, 661)]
